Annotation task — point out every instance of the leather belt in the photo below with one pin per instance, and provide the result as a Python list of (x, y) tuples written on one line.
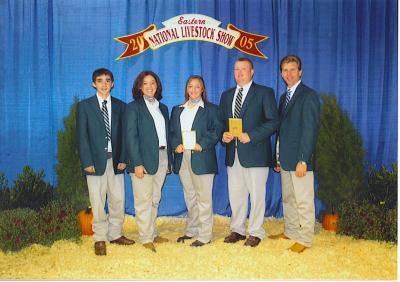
[(109, 155), (162, 147)]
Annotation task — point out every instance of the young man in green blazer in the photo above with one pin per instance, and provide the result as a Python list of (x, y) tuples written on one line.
[(99, 132)]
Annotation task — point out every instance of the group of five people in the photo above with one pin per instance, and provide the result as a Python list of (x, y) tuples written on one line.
[(144, 140)]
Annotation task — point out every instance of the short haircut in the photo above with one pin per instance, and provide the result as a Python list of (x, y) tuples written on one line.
[(100, 72), (137, 92), (291, 59), (203, 94), (244, 59)]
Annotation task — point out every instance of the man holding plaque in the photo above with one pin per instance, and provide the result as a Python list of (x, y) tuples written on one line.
[(250, 117)]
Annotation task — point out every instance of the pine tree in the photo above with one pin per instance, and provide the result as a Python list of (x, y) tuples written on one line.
[(339, 156), (72, 187)]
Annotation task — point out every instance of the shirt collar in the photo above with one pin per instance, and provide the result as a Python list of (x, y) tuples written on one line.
[(153, 105), (186, 104), (245, 87), (100, 99), (293, 88)]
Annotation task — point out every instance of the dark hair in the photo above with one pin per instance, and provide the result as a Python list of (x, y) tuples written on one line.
[(291, 59), (100, 72), (203, 94), (137, 92), (244, 59)]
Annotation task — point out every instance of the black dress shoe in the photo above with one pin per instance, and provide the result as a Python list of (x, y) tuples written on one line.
[(183, 238), (197, 243), (234, 237), (252, 241), (122, 241), (100, 248)]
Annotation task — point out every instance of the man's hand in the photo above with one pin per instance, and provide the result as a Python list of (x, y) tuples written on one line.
[(140, 171), (244, 138), (301, 169), (227, 137), (121, 166), (180, 149), (90, 169)]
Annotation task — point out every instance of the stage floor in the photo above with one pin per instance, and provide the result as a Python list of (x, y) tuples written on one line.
[(332, 257)]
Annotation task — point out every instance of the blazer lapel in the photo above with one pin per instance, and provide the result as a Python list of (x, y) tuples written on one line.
[(230, 101), (249, 97), (296, 94), (94, 103), (114, 114), (198, 117), (164, 112)]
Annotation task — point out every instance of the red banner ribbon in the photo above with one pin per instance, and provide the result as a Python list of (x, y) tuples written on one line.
[(136, 43), (247, 42)]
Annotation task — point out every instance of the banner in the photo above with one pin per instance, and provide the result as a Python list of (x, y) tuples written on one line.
[(191, 27)]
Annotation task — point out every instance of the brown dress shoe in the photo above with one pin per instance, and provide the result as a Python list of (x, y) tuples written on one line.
[(183, 238), (234, 237), (122, 241), (278, 236), (197, 243), (159, 239), (252, 241), (297, 248), (150, 246), (100, 248)]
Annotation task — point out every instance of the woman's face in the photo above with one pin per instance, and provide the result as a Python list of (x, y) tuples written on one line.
[(149, 86), (194, 88)]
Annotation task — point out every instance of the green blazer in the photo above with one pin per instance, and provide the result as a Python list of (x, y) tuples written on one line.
[(142, 146), (208, 127), (92, 136), (298, 128), (260, 120)]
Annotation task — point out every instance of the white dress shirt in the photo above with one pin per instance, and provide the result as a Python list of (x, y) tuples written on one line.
[(246, 88), (159, 121), (108, 105), (188, 114)]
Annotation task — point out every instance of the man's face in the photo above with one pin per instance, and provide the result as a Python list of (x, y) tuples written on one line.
[(243, 72), (103, 85), (291, 73)]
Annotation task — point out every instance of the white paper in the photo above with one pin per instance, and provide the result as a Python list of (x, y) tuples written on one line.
[(189, 139)]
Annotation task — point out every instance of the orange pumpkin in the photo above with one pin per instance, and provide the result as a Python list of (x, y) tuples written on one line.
[(85, 219), (330, 221)]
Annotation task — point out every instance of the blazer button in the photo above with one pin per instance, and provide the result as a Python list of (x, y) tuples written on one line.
[(105, 149)]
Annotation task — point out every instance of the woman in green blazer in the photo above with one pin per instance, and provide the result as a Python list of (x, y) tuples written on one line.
[(148, 154), (196, 165)]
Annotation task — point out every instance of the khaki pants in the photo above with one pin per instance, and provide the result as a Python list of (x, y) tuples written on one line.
[(107, 227), (197, 190), (298, 206), (147, 195), (243, 182)]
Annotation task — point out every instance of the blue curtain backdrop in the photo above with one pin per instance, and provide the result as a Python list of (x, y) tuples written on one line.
[(49, 49)]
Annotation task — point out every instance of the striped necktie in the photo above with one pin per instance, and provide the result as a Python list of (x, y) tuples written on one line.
[(104, 112), (238, 103), (288, 97)]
